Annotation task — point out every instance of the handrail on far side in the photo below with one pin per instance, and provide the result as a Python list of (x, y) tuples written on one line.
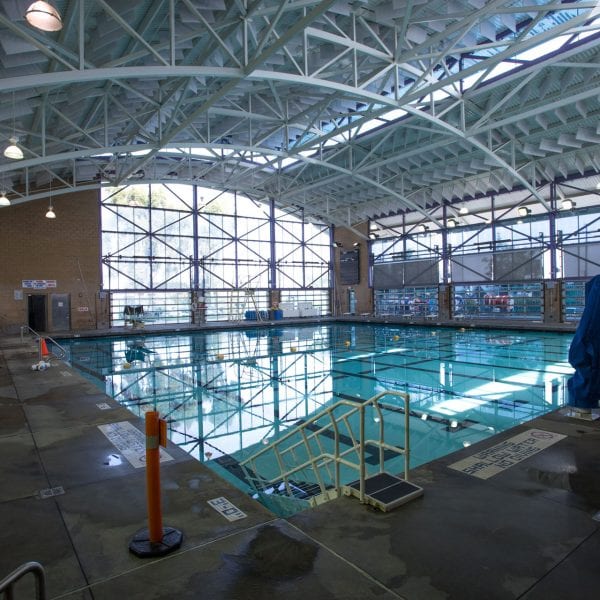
[(338, 458), (63, 351), (6, 585)]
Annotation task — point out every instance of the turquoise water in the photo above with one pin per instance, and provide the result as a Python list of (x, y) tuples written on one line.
[(227, 394)]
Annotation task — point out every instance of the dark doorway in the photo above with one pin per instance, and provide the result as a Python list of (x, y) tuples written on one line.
[(36, 306)]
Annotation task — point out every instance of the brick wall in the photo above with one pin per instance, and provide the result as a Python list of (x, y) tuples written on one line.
[(364, 294), (65, 249)]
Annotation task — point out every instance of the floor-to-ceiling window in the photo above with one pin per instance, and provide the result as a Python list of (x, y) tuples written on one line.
[(168, 249)]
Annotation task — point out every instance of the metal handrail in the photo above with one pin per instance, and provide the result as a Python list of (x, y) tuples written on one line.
[(64, 353), (338, 458), (6, 585)]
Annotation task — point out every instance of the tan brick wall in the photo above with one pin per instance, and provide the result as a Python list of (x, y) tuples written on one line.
[(66, 249), (364, 294)]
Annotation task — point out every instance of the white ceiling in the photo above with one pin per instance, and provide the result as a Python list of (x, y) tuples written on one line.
[(277, 99)]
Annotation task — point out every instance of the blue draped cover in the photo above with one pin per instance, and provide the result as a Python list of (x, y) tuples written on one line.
[(584, 353)]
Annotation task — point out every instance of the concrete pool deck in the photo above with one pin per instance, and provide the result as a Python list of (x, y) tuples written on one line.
[(530, 531)]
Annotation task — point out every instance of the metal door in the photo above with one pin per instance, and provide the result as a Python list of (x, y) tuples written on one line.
[(61, 312)]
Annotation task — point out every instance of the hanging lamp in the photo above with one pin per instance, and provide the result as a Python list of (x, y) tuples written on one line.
[(4, 201), (42, 15), (12, 150)]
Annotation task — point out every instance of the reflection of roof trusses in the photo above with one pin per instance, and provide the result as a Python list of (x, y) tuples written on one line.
[(348, 109)]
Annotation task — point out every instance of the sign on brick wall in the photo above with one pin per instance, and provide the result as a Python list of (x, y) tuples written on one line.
[(38, 284)]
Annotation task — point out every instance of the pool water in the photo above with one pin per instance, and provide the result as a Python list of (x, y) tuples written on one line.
[(227, 394)]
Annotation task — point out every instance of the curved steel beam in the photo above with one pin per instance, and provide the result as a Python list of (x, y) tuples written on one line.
[(482, 148)]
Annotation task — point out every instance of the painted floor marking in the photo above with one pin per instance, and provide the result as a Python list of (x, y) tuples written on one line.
[(494, 460), (227, 509), (50, 492), (130, 442), (103, 406)]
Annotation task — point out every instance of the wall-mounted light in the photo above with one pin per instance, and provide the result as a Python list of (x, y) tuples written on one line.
[(451, 223), (373, 236), (423, 228), (355, 244), (523, 211), (337, 244), (567, 204), (463, 210), (42, 15), (4, 201)]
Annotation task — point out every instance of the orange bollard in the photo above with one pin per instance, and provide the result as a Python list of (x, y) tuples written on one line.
[(155, 540), (153, 476)]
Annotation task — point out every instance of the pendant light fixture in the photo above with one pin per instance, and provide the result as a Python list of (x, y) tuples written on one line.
[(12, 150), (4, 201), (42, 15), (50, 214)]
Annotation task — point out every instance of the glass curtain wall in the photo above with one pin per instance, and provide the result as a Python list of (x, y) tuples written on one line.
[(170, 249), (495, 269)]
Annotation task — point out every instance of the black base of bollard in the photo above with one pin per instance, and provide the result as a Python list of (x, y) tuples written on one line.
[(141, 545)]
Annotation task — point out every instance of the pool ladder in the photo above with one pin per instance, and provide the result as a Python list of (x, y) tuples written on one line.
[(7, 584), (59, 351), (303, 461)]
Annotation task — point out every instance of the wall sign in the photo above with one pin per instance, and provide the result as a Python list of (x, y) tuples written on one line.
[(38, 284)]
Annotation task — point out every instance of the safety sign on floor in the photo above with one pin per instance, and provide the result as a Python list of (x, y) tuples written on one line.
[(491, 461), (130, 442)]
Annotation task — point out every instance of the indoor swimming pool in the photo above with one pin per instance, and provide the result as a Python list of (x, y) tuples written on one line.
[(227, 394)]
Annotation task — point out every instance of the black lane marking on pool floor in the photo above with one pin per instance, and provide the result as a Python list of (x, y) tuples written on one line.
[(337, 374), (419, 414)]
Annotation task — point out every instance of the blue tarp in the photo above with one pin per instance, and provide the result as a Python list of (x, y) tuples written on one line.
[(584, 353)]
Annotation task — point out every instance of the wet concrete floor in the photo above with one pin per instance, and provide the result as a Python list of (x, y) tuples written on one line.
[(70, 501)]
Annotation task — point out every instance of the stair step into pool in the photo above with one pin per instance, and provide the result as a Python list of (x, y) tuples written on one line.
[(384, 491)]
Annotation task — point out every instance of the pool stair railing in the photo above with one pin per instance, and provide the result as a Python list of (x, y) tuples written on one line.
[(55, 349), (329, 454)]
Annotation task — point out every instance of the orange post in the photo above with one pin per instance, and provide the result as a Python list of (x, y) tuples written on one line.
[(154, 540), (153, 476)]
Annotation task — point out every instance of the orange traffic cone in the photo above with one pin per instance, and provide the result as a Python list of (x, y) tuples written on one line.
[(44, 348)]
